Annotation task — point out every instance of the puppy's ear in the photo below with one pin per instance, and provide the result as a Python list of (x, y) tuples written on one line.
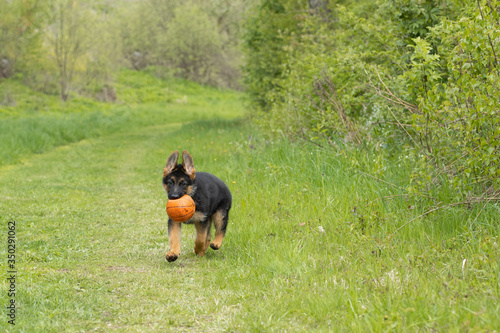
[(171, 163), (188, 165)]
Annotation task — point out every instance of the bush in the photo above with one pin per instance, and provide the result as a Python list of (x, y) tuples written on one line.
[(459, 124), (413, 76), (272, 27), (193, 43), (195, 40)]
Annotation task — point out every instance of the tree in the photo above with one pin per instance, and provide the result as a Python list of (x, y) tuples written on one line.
[(269, 30), (193, 43), (68, 40), (20, 35)]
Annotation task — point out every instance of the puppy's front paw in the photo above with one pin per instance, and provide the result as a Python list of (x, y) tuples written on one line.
[(171, 256)]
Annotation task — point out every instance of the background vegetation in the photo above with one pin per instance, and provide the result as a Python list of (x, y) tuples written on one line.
[(405, 78), (67, 46)]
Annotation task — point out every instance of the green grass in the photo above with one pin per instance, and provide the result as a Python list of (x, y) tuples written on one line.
[(33, 122), (307, 247)]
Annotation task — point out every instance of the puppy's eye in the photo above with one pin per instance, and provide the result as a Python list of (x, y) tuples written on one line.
[(183, 183), (170, 182)]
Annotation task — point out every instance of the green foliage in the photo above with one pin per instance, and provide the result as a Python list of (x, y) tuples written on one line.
[(142, 27), (68, 42), (196, 40), (22, 50), (74, 48), (323, 87), (424, 73), (58, 46), (268, 31), (415, 18), (193, 43), (351, 44), (459, 126), (20, 35), (417, 78)]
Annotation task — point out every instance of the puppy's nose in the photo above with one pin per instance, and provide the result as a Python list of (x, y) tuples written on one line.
[(174, 196)]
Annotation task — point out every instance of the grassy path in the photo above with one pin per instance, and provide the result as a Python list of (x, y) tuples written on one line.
[(92, 234)]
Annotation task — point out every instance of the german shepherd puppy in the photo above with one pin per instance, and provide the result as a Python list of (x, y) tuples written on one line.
[(211, 197)]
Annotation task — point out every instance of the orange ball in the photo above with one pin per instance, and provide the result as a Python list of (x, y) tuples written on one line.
[(181, 210)]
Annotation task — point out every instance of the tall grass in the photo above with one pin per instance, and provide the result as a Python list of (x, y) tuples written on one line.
[(36, 123), (318, 241)]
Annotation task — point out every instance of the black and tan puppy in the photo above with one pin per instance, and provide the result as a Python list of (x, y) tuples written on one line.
[(212, 199)]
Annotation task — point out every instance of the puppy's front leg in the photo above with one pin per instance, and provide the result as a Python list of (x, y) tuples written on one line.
[(174, 239)]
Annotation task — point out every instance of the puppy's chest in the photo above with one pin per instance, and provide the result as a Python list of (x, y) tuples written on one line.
[(197, 217)]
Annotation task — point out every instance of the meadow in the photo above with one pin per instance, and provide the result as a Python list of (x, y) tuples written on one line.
[(318, 239)]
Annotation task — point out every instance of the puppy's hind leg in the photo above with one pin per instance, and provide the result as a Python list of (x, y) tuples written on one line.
[(219, 219), (202, 237)]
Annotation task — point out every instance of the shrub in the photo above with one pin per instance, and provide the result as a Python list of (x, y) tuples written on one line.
[(420, 76), (459, 124), (269, 30), (193, 43)]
